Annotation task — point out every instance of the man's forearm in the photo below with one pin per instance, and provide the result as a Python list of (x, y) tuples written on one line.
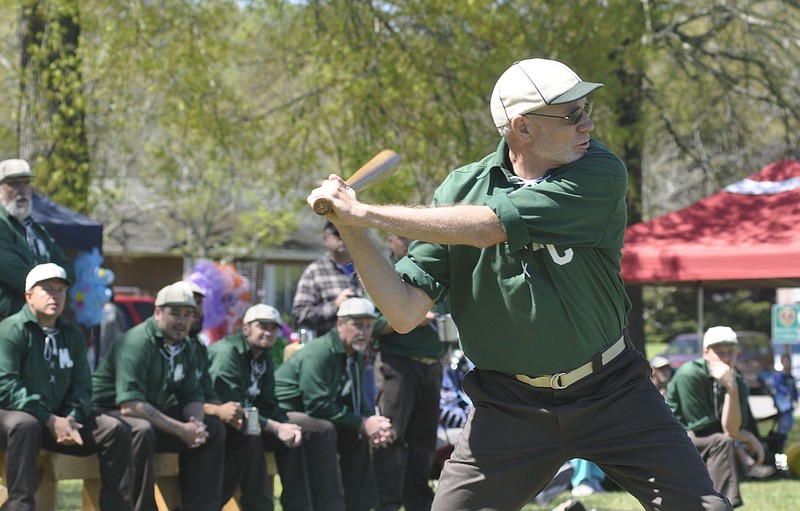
[(461, 224), (403, 305), (731, 418), (148, 412), (211, 408)]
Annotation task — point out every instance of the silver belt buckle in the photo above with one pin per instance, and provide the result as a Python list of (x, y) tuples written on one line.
[(555, 384)]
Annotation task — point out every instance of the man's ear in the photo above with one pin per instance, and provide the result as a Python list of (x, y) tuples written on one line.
[(520, 126)]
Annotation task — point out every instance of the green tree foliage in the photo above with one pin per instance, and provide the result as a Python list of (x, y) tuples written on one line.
[(191, 135), (51, 121), (417, 76), (722, 88), (670, 311)]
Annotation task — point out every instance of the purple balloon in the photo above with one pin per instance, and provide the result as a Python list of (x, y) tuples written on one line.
[(207, 275)]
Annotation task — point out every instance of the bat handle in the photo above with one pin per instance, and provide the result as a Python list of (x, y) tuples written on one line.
[(322, 206)]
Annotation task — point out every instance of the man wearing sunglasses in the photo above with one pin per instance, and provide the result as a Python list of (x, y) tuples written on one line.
[(526, 243)]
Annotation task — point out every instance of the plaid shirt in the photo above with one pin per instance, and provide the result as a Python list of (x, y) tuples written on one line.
[(314, 303)]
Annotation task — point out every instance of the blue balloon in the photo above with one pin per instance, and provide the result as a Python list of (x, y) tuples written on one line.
[(90, 292)]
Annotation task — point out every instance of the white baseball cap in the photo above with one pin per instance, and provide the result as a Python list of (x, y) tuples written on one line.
[(531, 84), (175, 295), (719, 335), (357, 308), (14, 168), (44, 272), (262, 313), (659, 361), (191, 286)]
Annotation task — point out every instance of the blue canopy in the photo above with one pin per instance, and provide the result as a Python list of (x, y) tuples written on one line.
[(70, 229)]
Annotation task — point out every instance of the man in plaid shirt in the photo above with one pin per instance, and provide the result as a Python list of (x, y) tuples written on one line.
[(325, 284)]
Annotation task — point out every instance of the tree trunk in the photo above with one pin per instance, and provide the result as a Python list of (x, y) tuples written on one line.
[(629, 108)]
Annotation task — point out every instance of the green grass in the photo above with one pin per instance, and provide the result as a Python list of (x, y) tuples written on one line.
[(772, 495)]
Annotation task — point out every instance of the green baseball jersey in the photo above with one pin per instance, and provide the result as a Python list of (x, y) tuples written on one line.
[(550, 297), (16, 260), (322, 381), (696, 398), (41, 380), (200, 363), (423, 341), (140, 367), (238, 376)]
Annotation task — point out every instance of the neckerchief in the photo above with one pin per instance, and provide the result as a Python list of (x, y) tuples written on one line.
[(169, 352), (50, 350)]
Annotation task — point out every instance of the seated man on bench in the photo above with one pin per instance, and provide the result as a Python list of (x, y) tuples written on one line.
[(45, 396), (242, 370), (148, 380)]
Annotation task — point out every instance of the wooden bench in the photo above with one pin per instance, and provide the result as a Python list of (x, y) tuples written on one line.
[(54, 467)]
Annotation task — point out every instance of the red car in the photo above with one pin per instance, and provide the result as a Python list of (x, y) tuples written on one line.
[(121, 314)]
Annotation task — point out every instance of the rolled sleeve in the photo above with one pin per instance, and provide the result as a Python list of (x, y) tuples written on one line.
[(411, 272), (512, 221)]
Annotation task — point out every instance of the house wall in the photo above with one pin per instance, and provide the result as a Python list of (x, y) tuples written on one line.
[(148, 273), (271, 282)]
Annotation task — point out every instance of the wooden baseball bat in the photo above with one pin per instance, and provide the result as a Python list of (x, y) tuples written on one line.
[(381, 166)]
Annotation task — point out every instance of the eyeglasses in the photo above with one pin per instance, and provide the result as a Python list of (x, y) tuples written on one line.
[(574, 117), (17, 182)]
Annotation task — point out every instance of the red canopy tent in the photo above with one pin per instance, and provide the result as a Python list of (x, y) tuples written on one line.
[(746, 235)]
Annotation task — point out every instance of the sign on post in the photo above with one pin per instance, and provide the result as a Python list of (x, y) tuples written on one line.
[(786, 323)]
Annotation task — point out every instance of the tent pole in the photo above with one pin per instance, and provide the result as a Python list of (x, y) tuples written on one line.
[(700, 319)]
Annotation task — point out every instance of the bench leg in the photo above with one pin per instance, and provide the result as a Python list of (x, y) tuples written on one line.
[(47, 494), (231, 505), (91, 494), (168, 493)]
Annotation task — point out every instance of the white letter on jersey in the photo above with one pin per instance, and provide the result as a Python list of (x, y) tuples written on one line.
[(64, 360), (559, 259)]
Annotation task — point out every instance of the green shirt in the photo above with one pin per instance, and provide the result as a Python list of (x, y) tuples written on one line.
[(323, 382), (139, 367), (421, 342), (16, 261), (200, 364), (550, 297), (237, 376), (696, 398), (29, 383), (276, 352)]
